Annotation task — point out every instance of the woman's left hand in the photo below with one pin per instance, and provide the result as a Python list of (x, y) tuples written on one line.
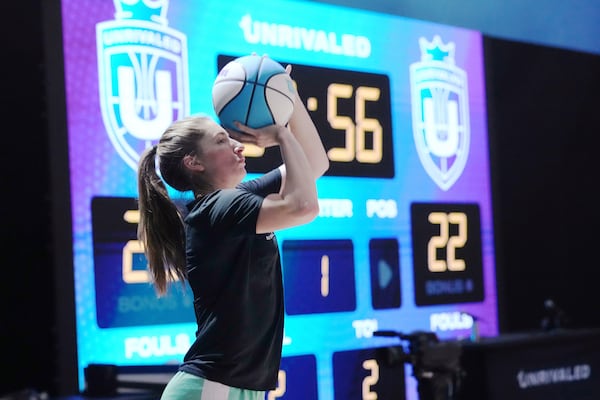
[(267, 136)]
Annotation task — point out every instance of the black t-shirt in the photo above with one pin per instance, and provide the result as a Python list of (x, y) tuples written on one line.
[(235, 276)]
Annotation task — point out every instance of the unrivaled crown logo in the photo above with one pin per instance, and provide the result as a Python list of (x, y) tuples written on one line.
[(440, 112), (143, 75)]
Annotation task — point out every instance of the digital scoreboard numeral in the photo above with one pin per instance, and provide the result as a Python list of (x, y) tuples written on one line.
[(325, 275), (296, 380), (281, 388), (124, 296), (445, 241), (447, 254), (355, 147), (370, 380), (361, 375), (318, 276)]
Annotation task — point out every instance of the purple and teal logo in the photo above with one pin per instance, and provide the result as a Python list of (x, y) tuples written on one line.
[(143, 75), (440, 112)]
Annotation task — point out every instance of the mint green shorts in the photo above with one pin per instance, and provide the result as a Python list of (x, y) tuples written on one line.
[(184, 386)]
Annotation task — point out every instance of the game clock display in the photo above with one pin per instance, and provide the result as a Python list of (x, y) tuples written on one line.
[(352, 112), (404, 237)]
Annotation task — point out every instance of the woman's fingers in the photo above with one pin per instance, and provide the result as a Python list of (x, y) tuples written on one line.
[(244, 129), (241, 136), (266, 136)]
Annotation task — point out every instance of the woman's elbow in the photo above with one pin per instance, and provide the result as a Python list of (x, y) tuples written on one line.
[(307, 210), (314, 209), (322, 167)]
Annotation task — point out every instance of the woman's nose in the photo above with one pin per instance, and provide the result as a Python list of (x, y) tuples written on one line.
[(237, 146)]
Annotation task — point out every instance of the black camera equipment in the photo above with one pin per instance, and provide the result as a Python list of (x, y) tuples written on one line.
[(435, 364), (554, 316)]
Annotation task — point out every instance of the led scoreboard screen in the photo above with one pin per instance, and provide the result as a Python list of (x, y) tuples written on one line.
[(404, 238)]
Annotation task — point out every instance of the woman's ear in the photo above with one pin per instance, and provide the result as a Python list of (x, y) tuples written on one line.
[(192, 163)]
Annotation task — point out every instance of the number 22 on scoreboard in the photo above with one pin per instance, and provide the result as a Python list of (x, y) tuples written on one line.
[(447, 241)]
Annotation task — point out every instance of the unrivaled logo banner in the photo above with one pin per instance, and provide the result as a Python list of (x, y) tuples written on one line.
[(143, 77)]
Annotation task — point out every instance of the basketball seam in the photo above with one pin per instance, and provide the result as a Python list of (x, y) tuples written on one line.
[(275, 89), (259, 84), (255, 83), (278, 91), (233, 97)]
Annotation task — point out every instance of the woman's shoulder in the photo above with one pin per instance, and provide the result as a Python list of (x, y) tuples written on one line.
[(224, 208), (221, 198)]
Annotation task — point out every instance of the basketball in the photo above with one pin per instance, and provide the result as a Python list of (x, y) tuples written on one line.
[(254, 90)]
